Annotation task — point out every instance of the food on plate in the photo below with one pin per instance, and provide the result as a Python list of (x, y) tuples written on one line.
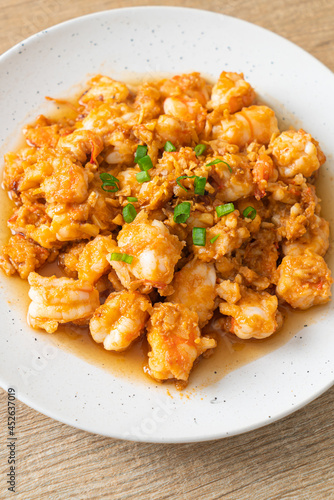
[(166, 205)]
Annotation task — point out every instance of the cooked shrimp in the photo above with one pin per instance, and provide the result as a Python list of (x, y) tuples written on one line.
[(254, 315), (296, 153), (263, 172), (256, 123), (82, 143), (147, 101), (175, 341), (187, 110), (68, 182), (155, 251), (59, 300), (177, 131), (121, 146), (231, 233), (105, 118), (92, 262), (316, 239), (120, 320), (22, 256), (231, 92), (194, 287), (191, 85), (105, 89), (304, 280), (233, 177), (42, 133)]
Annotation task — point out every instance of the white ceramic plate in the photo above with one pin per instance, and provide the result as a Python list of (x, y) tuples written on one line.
[(122, 43)]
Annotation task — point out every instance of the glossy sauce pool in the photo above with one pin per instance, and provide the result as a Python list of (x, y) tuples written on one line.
[(231, 353)]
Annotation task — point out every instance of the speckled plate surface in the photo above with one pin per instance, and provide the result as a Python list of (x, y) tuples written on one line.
[(122, 43)]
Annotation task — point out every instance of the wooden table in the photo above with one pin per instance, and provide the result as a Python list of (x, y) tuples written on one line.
[(291, 459)]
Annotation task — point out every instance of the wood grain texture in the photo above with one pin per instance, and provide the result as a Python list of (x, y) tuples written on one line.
[(290, 459)]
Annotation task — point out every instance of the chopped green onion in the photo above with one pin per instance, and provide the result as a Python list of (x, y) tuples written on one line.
[(169, 147), (109, 180), (141, 151), (132, 198), (124, 257), (214, 239), (145, 163), (143, 176), (129, 213), (199, 236), (184, 177), (214, 162), (249, 212), (182, 212), (224, 209), (200, 185), (199, 149)]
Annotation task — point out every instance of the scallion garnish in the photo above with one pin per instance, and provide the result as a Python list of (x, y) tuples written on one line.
[(224, 209), (199, 236), (249, 212), (109, 180), (145, 163), (143, 176), (182, 212), (200, 185), (169, 147), (215, 238), (141, 151), (129, 213), (132, 198), (184, 177), (124, 257), (214, 162), (199, 149)]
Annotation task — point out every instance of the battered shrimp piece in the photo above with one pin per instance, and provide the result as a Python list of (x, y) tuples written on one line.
[(104, 118), (233, 177), (120, 320), (304, 280), (254, 315), (154, 249), (263, 172), (42, 133), (315, 239), (93, 263), (194, 287), (256, 123), (175, 341), (231, 92), (59, 300), (296, 153), (232, 233), (190, 84), (186, 109), (120, 146), (22, 256), (229, 291), (148, 101), (105, 89), (82, 143), (68, 182), (179, 132)]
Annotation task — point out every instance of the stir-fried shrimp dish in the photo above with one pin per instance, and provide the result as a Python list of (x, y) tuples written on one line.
[(165, 204)]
